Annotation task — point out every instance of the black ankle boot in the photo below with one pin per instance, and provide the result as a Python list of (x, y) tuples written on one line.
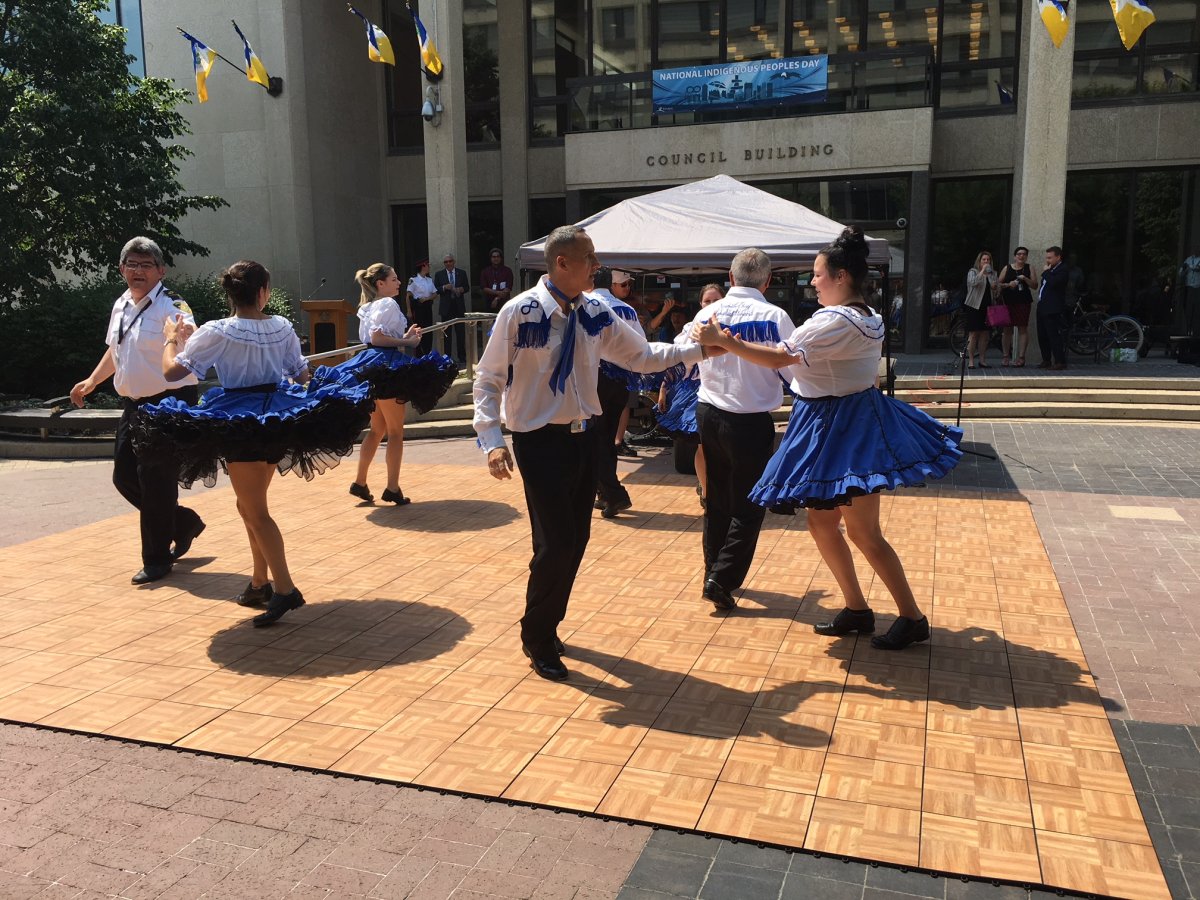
[(902, 633), (255, 596), (848, 621), (277, 606)]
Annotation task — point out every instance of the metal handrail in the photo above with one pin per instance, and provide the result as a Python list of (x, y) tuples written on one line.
[(438, 331)]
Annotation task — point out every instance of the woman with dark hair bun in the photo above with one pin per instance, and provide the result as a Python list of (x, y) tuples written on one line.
[(846, 441), (261, 420), (396, 378)]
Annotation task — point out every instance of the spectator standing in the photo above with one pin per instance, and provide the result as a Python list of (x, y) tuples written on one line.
[(981, 284), (1189, 279), (453, 285), (614, 388), (1051, 311), (1016, 292), (134, 361), (419, 296), (496, 281)]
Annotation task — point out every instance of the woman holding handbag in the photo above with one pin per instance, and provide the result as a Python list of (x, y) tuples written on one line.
[(981, 290), (1016, 280)]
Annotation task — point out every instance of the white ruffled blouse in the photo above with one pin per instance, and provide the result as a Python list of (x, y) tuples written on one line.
[(245, 352)]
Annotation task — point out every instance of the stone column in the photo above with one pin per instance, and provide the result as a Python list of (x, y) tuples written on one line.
[(1042, 126), (446, 143), (514, 126)]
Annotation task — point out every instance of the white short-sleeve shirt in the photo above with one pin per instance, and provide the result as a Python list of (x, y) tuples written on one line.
[(245, 352), (135, 334), (382, 315), (838, 350)]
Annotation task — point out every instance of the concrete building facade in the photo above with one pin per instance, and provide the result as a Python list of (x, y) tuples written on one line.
[(946, 128)]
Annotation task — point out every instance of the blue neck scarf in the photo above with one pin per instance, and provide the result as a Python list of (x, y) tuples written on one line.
[(566, 359)]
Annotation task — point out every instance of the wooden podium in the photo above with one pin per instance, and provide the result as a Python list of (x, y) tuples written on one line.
[(328, 327)]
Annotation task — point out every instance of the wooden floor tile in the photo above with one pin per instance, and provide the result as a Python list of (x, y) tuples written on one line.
[(981, 848), (1099, 814), (1096, 770), (566, 783), (33, 702), (757, 813), (394, 757), (674, 800), (694, 755), (96, 712), (986, 798), (772, 766), (590, 741), (1100, 866), (886, 833), (870, 781), (971, 755), (163, 722), (875, 740), (235, 733)]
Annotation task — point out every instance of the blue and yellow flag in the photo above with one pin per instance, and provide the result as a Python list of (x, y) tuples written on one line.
[(1054, 17), (379, 48), (431, 63), (255, 70), (203, 57), (1133, 17)]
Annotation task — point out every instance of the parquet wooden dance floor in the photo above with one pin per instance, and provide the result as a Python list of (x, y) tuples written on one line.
[(985, 752)]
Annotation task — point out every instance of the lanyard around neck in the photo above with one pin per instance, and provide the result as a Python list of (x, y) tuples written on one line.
[(122, 330)]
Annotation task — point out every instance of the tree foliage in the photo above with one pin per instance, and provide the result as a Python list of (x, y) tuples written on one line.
[(88, 151)]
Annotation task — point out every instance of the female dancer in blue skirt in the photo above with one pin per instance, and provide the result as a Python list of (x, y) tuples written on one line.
[(255, 423), (395, 377), (846, 441), (677, 398)]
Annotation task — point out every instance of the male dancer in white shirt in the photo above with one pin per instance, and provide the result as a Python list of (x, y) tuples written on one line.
[(134, 360), (541, 365), (733, 413)]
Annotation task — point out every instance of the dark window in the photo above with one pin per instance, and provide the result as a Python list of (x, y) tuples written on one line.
[(1163, 61), (405, 84), (128, 14), (481, 47), (410, 236), (485, 222)]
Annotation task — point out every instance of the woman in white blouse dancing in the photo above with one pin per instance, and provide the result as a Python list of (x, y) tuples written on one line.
[(382, 326)]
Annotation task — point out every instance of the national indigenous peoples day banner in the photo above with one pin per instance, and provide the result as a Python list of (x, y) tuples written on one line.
[(763, 82)]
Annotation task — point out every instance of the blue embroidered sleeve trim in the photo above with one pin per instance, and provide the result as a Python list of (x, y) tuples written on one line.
[(533, 334), (626, 312), (756, 332), (594, 324)]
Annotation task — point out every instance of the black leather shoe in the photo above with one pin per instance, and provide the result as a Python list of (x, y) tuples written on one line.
[(151, 573), (362, 492), (549, 667), (902, 633), (623, 449), (396, 497), (599, 502), (718, 596), (559, 647), (255, 596), (184, 544), (277, 606), (848, 621), (611, 509)]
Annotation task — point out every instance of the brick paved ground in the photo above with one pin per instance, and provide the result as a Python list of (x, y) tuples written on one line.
[(91, 818)]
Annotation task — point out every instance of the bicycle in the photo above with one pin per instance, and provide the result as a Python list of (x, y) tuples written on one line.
[(1094, 333)]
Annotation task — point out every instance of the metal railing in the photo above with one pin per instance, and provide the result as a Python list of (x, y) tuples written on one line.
[(476, 339)]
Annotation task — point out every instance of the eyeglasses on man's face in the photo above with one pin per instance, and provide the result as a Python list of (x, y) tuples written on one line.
[(133, 265)]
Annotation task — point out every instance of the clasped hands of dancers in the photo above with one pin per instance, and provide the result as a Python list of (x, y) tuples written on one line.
[(845, 442)]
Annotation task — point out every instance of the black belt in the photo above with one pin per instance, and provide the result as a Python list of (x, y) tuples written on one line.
[(135, 402), (570, 427), (254, 389)]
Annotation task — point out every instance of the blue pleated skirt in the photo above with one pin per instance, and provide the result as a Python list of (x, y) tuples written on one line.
[(680, 415), (395, 375), (839, 448), (306, 430)]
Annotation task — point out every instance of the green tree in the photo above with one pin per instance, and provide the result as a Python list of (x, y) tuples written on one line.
[(88, 152)]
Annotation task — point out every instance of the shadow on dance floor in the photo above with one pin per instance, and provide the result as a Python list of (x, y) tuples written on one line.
[(443, 516)]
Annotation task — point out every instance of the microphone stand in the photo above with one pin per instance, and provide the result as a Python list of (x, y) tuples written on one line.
[(962, 377)]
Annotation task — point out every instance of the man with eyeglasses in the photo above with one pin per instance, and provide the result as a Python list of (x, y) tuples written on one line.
[(134, 361), (496, 281), (453, 285)]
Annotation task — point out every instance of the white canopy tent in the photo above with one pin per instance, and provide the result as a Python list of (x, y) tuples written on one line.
[(698, 227)]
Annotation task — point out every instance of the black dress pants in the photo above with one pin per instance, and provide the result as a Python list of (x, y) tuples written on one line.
[(423, 316), (1051, 338), (558, 469), (737, 447), (151, 485), (614, 396)]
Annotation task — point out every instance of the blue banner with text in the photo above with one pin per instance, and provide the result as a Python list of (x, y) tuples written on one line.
[(738, 85)]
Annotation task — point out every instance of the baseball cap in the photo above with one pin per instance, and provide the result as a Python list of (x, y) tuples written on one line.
[(621, 277)]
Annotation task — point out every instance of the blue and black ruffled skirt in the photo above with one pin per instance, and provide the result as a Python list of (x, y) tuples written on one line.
[(679, 419), (839, 448), (395, 375), (306, 430)]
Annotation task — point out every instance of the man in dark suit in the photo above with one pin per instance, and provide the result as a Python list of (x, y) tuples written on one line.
[(453, 285), (1052, 311)]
